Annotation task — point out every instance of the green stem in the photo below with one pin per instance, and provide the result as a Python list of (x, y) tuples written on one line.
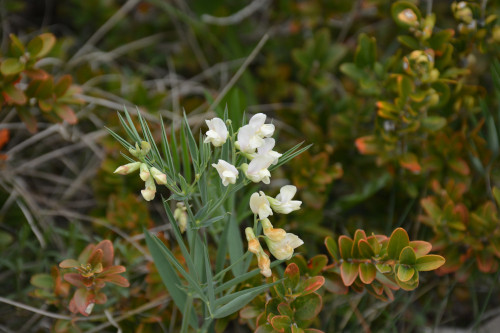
[(187, 313), (220, 275)]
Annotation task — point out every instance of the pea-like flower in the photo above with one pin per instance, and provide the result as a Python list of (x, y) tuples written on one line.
[(283, 249), (267, 150), (283, 202), (217, 132), (260, 205), (257, 170), (227, 172), (248, 140), (251, 136), (258, 122)]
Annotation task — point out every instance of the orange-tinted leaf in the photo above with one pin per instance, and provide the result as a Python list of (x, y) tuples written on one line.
[(69, 263), (75, 279), (48, 41), (14, 95), (108, 252), (279, 323), (116, 279), (63, 85), (409, 161), (96, 257), (459, 166), (366, 145), (292, 276), (4, 137), (345, 246), (28, 119), (365, 249), (113, 270), (421, 248), (311, 285), (66, 113), (82, 300)]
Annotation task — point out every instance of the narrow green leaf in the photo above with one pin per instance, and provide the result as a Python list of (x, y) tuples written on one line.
[(168, 275), (238, 300), (193, 148), (210, 280), (186, 163), (235, 245)]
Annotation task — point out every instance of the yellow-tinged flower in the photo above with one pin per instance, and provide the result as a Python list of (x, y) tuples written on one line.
[(254, 246), (274, 234), (283, 249)]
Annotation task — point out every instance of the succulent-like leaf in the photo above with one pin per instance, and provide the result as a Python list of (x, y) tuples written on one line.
[(429, 262), (405, 273), (367, 272), (345, 246), (407, 256), (292, 276), (349, 272), (398, 241), (307, 307), (332, 248)]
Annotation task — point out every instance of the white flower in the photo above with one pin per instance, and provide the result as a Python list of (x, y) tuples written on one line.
[(217, 132), (260, 205), (149, 192), (267, 150), (257, 170), (262, 130), (248, 140), (128, 168), (160, 177), (227, 172), (283, 203), (283, 249)]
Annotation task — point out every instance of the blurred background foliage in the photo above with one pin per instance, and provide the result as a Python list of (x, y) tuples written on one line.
[(401, 102)]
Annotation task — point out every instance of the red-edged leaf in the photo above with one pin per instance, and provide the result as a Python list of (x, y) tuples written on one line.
[(4, 137), (28, 119), (307, 307), (398, 241), (311, 285), (365, 249), (421, 248), (14, 95), (317, 263), (116, 279), (332, 248), (63, 85), (96, 257), (75, 279), (69, 263), (358, 235), (108, 252), (367, 273), (292, 276), (409, 161), (83, 299), (66, 113), (348, 272), (280, 323), (113, 270), (48, 41), (285, 309), (429, 262), (345, 246), (366, 145)]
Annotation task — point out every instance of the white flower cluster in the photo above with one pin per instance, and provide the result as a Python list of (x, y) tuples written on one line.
[(253, 142)]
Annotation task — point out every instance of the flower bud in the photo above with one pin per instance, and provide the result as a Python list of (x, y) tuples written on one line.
[(128, 168), (180, 216), (149, 192), (264, 264), (253, 242), (144, 172), (274, 234), (160, 177)]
